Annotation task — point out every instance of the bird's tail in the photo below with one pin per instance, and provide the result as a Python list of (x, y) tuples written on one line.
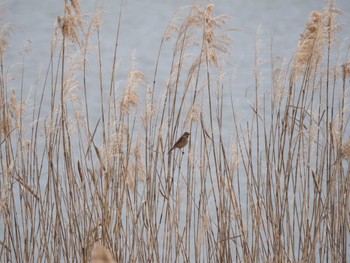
[(171, 150)]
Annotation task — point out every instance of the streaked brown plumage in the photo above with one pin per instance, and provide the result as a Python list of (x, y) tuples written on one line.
[(182, 142)]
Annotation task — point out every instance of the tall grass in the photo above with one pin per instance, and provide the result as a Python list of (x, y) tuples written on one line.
[(274, 188)]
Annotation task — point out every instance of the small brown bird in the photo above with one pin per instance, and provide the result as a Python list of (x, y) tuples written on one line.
[(182, 142)]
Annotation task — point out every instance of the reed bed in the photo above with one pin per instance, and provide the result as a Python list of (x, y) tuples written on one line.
[(273, 187)]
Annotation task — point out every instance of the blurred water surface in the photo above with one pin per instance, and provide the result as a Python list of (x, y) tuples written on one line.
[(143, 23)]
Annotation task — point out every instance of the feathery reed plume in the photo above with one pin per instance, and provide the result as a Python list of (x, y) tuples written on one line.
[(139, 161), (319, 32), (130, 99), (215, 35), (346, 69), (345, 149), (279, 76), (70, 23), (16, 109), (194, 114), (4, 34), (76, 6), (150, 108), (101, 254), (311, 43)]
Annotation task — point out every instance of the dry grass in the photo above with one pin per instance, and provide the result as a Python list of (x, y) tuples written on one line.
[(76, 189)]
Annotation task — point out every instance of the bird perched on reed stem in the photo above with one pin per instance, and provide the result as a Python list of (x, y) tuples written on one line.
[(182, 142)]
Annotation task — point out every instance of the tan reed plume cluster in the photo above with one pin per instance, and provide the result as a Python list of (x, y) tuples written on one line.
[(279, 76), (346, 70), (320, 32), (72, 22), (214, 32), (345, 149), (5, 29), (217, 41), (130, 99), (312, 41), (101, 254)]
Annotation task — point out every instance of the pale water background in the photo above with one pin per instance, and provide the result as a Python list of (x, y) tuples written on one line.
[(142, 26)]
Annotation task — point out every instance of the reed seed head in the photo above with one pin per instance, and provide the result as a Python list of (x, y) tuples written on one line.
[(70, 23), (319, 32), (345, 149), (101, 254), (4, 35), (131, 98)]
